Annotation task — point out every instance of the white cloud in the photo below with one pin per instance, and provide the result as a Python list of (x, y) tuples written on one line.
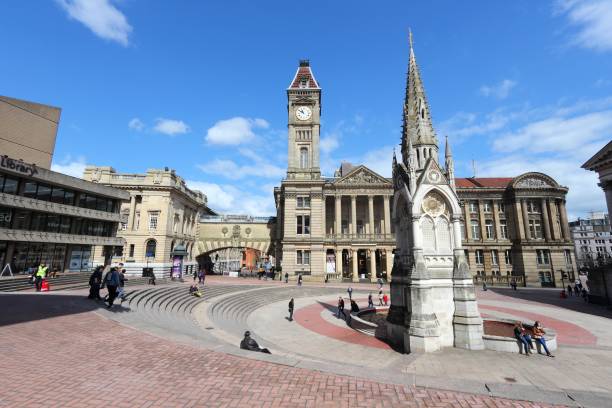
[(74, 168), (170, 127), (558, 134), (229, 199), (463, 125), (500, 90), (234, 131), (136, 124), (380, 160), (329, 143), (101, 17), (593, 18), (231, 170)]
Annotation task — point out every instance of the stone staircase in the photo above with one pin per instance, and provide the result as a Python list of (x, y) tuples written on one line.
[(64, 281)]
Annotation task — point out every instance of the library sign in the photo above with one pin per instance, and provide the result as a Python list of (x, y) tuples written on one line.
[(18, 166)]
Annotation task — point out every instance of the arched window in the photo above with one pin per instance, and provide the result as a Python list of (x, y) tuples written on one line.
[(303, 158), (151, 246), (429, 237), (443, 236)]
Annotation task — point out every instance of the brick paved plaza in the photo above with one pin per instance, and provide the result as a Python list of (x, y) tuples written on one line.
[(61, 350)]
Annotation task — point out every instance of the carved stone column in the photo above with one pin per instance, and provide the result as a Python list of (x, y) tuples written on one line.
[(483, 227), (339, 261), (372, 265), (496, 220), (525, 219), (468, 220), (389, 261), (323, 215), (564, 224), (545, 219), (606, 186), (353, 229), (387, 211), (132, 213), (371, 213), (552, 208), (354, 265), (338, 216)]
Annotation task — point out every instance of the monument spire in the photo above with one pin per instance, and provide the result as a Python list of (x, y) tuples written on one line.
[(449, 164), (416, 124)]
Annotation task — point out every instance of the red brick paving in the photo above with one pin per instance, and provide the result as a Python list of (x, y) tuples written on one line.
[(85, 360)]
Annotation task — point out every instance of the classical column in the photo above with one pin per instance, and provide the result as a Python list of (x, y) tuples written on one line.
[(468, 220), (564, 224), (517, 220), (387, 214), (132, 212), (373, 265), (324, 215), (389, 261), (525, 218), (354, 265), (607, 188), (339, 261), (483, 228), (371, 213), (554, 233), (545, 219), (338, 215), (353, 215), (496, 220)]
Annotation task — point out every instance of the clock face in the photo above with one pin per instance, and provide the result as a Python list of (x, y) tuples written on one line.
[(303, 113)]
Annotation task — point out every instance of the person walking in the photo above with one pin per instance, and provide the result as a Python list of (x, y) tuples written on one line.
[(95, 279), (195, 275), (370, 301), (111, 281), (286, 277), (538, 335), (350, 293), (121, 290), (291, 310), (41, 273), (570, 292), (585, 295), (380, 283), (524, 339), (300, 279), (513, 284), (340, 307), (380, 298)]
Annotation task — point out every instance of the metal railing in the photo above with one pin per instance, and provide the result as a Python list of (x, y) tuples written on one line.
[(359, 237), (495, 280)]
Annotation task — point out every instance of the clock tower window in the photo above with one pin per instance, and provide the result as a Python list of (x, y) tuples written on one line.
[(304, 158)]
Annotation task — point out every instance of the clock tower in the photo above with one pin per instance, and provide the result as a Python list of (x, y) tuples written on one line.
[(304, 123)]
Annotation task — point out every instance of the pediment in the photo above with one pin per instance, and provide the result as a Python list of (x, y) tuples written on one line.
[(432, 174), (362, 175), (534, 180)]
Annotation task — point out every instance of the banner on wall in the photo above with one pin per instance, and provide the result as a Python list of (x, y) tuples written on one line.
[(177, 266), (331, 264)]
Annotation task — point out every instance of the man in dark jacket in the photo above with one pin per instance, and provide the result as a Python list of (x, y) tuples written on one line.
[(248, 343), (94, 284), (291, 309), (112, 282)]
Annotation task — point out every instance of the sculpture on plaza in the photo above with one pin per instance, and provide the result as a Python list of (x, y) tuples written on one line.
[(433, 303)]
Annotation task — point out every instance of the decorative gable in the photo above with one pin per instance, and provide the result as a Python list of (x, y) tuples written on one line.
[(432, 174), (363, 175)]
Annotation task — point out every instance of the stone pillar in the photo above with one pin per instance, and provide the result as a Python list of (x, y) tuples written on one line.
[(545, 219), (483, 228), (387, 211), (555, 234), (373, 265), (353, 230), (389, 261), (468, 220), (324, 216), (496, 220), (371, 213), (339, 261), (354, 265), (338, 216), (564, 224), (525, 219), (607, 188), (132, 213)]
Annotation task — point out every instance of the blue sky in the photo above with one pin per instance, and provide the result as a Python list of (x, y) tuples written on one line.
[(200, 86)]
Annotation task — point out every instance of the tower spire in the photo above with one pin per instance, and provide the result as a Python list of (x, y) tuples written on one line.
[(416, 123), (449, 164)]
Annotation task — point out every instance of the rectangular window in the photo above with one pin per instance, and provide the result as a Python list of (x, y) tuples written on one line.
[(503, 229), (533, 207), (53, 223), (65, 225), (137, 221), (29, 189), (475, 227), (489, 229), (69, 197), (535, 229), (131, 250), (543, 257), (39, 222), (494, 257), (501, 207), (6, 215), (57, 195), (11, 185), (303, 202), (153, 219), (43, 193), (508, 256), (303, 257), (473, 206), (463, 237), (487, 206), (479, 257), (303, 224)]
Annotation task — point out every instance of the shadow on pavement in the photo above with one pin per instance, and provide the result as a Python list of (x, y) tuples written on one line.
[(21, 308), (552, 297)]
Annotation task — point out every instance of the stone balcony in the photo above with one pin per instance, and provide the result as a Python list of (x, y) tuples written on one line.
[(360, 238)]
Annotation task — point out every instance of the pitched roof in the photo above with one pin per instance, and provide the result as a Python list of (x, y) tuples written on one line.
[(304, 75), (483, 182)]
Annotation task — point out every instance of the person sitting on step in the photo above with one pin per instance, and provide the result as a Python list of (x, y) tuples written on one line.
[(250, 344)]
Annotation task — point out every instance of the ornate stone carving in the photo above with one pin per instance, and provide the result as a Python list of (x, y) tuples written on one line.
[(433, 204), (532, 182), (236, 231), (362, 177), (434, 176)]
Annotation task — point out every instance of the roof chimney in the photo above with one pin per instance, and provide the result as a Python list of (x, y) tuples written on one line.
[(304, 63)]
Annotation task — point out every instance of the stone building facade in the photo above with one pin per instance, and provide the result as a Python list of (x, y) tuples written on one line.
[(160, 218), (517, 228), (592, 239), (337, 227)]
